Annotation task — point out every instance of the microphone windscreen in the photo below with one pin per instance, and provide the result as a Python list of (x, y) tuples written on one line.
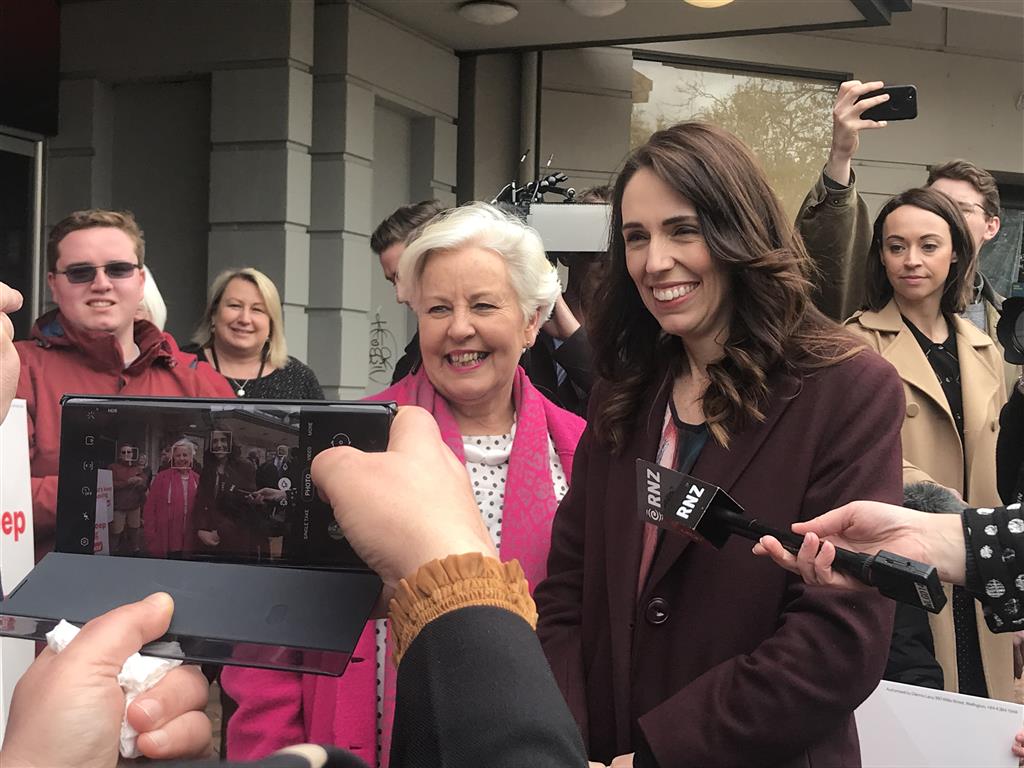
[(930, 497)]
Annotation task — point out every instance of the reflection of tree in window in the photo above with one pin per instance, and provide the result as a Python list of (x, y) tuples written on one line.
[(787, 122)]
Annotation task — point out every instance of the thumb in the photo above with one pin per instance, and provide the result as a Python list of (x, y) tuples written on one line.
[(117, 634)]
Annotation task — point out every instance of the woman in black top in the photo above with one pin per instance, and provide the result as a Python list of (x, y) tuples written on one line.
[(242, 336)]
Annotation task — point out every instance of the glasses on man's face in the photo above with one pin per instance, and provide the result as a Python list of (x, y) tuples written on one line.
[(86, 273), (967, 209)]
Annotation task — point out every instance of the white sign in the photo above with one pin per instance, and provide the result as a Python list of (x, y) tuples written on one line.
[(17, 545), (104, 511), (906, 726)]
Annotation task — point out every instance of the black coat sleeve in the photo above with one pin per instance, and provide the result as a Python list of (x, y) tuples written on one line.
[(474, 689), (912, 650), (1010, 449), (576, 358)]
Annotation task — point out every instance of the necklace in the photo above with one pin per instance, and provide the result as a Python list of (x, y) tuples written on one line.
[(238, 385)]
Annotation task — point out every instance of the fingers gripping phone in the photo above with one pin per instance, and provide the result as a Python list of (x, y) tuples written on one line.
[(902, 103)]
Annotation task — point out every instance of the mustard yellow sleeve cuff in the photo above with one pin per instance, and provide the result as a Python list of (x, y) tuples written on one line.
[(458, 581)]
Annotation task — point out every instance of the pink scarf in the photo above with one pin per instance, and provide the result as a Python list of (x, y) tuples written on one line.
[(529, 495)]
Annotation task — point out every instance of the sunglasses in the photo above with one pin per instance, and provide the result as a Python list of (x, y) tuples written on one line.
[(86, 273)]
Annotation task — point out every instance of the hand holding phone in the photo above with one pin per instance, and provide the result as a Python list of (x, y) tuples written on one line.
[(847, 122), (901, 103)]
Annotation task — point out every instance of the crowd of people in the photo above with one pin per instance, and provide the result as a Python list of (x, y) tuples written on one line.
[(826, 364)]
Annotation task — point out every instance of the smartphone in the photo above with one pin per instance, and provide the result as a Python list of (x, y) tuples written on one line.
[(226, 481), (902, 103)]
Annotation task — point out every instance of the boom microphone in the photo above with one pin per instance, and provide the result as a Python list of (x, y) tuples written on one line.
[(705, 513)]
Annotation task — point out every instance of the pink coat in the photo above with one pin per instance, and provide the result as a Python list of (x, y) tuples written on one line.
[(276, 709), (167, 518)]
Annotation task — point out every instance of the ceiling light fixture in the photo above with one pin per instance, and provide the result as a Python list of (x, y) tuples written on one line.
[(596, 9), (708, 3), (488, 12)]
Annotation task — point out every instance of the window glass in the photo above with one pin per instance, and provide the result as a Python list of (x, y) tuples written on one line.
[(786, 121)]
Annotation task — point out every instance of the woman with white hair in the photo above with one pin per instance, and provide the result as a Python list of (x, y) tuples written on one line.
[(152, 307), (242, 336), (481, 286), (172, 498)]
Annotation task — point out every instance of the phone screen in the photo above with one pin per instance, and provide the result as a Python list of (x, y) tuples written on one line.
[(220, 480)]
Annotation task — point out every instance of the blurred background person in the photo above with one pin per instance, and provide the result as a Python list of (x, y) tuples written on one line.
[(713, 361), (560, 363), (225, 517), (919, 276), (481, 286), (169, 526), (388, 241), (152, 306), (242, 336), (129, 479)]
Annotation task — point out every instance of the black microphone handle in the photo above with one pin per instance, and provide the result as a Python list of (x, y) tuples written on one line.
[(855, 564), (896, 577)]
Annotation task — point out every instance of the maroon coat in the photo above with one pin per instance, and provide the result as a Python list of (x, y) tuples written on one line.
[(726, 660)]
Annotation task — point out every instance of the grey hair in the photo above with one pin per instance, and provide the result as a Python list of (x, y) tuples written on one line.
[(186, 443), (534, 279)]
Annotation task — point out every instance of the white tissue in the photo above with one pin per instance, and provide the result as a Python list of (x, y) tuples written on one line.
[(138, 675)]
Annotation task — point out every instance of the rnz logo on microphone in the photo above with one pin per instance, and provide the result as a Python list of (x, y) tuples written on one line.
[(653, 511), (689, 503)]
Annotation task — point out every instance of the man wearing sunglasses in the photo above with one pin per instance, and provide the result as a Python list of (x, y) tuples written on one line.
[(91, 343)]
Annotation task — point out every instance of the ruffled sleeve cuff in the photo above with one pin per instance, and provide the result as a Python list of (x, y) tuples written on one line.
[(458, 581)]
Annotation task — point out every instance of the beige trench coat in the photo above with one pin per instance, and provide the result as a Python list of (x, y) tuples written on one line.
[(932, 452)]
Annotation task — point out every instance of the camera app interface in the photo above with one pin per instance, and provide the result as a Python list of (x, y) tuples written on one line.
[(228, 482)]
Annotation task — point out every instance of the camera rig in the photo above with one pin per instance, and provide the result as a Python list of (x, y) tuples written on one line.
[(566, 226)]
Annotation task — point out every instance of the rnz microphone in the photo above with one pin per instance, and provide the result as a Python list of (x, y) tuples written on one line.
[(705, 513)]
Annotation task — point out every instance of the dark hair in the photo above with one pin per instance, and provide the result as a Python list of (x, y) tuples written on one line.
[(92, 219), (774, 323), (599, 194), (959, 283), (979, 178), (397, 227)]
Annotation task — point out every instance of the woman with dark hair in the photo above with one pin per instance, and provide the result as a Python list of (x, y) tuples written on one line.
[(226, 516), (920, 275), (715, 363)]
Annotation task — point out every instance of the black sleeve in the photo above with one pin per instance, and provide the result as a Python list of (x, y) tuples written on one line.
[(1010, 449), (912, 650), (410, 360), (474, 689), (576, 358), (307, 383), (995, 563)]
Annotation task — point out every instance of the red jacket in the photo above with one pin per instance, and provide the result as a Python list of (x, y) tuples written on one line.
[(60, 359), (168, 513), (127, 496)]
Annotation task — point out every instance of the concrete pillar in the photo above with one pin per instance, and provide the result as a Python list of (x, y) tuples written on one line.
[(260, 134), (80, 157), (341, 216)]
